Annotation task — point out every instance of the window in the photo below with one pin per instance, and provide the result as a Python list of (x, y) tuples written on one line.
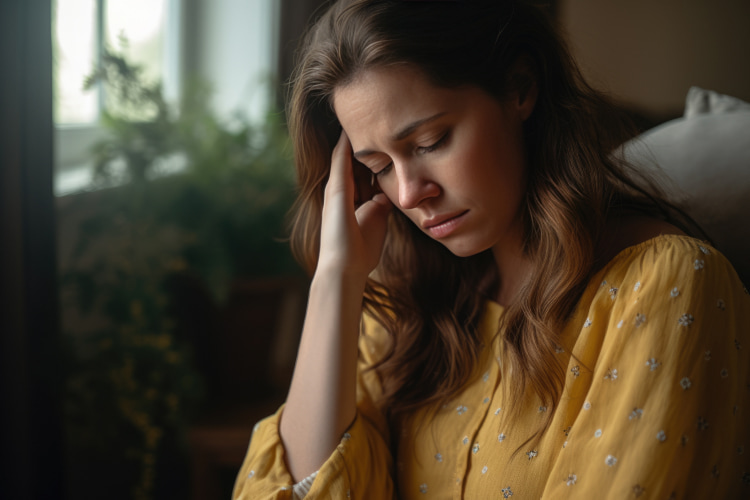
[(146, 30), (229, 44)]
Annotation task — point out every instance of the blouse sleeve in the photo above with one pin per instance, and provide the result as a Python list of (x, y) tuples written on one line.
[(667, 412), (359, 467)]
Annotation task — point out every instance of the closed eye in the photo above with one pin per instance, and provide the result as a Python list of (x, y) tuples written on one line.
[(384, 170), (434, 146)]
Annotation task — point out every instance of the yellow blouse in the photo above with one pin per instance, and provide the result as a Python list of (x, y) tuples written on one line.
[(656, 403)]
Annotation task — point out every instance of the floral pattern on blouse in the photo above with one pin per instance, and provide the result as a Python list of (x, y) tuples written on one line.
[(661, 368)]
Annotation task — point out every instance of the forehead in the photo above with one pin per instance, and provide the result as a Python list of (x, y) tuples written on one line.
[(381, 100)]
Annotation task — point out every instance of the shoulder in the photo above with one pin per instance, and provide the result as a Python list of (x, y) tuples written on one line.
[(671, 259), (669, 283)]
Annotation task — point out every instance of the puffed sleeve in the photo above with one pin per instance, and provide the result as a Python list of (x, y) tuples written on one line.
[(359, 467), (668, 409)]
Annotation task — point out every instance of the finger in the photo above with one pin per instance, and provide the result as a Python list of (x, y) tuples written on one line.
[(341, 178), (372, 217)]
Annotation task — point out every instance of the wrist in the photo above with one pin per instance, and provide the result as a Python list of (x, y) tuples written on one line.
[(333, 274)]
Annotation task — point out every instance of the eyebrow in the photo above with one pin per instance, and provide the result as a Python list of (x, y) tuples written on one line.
[(403, 133)]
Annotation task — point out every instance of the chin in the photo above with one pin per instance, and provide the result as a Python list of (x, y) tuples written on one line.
[(464, 249)]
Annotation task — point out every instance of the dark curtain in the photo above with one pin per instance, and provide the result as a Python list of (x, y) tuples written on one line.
[(30, 376)]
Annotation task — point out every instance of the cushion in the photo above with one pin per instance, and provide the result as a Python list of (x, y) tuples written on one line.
[(703, 160)]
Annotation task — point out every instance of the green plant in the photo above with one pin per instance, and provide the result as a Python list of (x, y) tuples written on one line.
[(133, 385)]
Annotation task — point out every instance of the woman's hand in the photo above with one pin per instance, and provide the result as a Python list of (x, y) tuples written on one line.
[(322, 398), (351, 236)]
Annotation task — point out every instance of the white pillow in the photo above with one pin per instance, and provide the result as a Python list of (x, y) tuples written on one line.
[(706, 157)]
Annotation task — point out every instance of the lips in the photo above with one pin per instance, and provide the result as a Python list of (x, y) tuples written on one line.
[(441, 226)]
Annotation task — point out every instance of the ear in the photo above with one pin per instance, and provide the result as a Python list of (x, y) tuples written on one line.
[(523, 85)]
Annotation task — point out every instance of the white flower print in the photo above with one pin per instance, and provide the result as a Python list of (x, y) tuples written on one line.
[(653, 364), (486, 400), (486, 376), (423, 488), (507, 492), (598, 433), (661, 436), (619, 325), (531, 454), (465, 440), (576, 370), (702, 424), (346, 436), (484, 470), (559, 350), (565, 444), (611, 374), (501, 437), (724, 373), (572, 478), (635, 414), (475, 448), (704, 250), (542, 409), (251, 474), (675, 292), (610, 460), (639, 319), (604, 283), (699, 264), (613, 293), (587, 323), (686, 383), (497, 412), (686, 320), (461, 409), (637, 286), (586, 405), (439, 457), (721, 304)]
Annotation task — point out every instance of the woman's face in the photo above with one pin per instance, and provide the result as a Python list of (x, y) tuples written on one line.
[(452, 160)]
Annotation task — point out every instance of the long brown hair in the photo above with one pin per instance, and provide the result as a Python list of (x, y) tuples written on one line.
[(428, 299)]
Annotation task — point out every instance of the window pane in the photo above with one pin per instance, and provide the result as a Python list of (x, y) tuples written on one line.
[(75, 55), (141, 24)]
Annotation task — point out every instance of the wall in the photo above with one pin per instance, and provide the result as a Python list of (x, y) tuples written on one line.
[(649, 52), (232, 44)]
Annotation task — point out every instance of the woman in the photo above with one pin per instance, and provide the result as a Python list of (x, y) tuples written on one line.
[(499, 306)]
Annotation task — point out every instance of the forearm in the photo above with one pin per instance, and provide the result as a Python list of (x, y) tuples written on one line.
[(322, 398)]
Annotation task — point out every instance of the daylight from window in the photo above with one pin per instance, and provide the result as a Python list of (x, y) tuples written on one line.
[(135, 27), (76, 47)]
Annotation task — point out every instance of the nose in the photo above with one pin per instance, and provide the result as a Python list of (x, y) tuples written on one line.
[(414, 186)]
